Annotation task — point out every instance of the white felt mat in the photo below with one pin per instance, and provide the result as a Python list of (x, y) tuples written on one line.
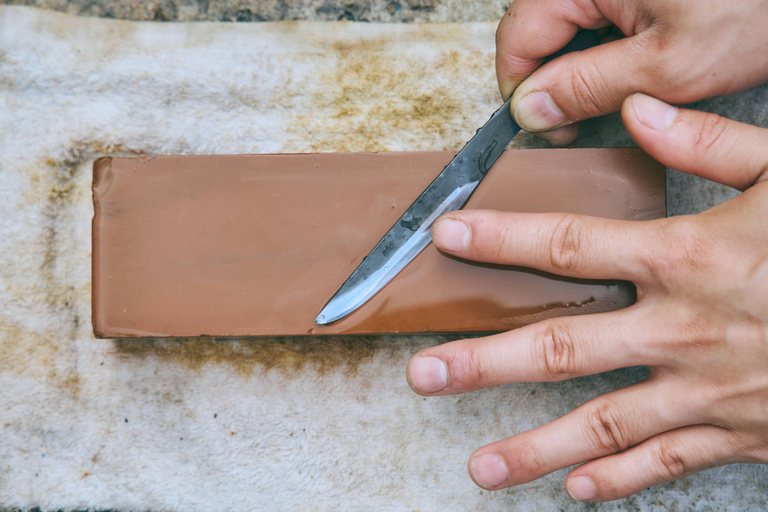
[(296, 424)]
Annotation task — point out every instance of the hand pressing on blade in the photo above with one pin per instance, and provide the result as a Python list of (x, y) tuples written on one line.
[(675, 50), (700, 323)]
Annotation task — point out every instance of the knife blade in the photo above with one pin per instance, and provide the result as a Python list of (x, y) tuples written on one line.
[(448, 192)]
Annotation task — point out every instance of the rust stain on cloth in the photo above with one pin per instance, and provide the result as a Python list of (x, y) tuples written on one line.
[(39, 355), (286, 354), (43, 277), (377, 99)]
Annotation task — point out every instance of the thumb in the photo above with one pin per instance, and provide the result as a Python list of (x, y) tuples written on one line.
[(699, 143), (581, 85)]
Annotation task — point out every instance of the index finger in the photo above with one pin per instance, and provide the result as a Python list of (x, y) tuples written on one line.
[(561, 243), (530, 31)]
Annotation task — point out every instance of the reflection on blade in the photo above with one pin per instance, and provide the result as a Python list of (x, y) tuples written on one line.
[(449, 191), (355, 292), (412, 232)]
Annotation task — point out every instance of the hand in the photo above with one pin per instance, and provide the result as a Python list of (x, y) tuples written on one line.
[(700, 323), (676, 50)]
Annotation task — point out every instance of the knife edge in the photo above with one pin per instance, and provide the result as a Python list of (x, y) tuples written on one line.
[(449, 191)]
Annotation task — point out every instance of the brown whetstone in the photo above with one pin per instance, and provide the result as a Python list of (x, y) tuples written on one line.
[(250, 245)]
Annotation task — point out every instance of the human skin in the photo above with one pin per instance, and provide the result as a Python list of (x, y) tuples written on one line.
[(701, 319), (700, 323), (675, 50)]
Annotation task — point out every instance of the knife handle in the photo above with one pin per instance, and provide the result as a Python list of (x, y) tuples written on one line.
[(582, 40)]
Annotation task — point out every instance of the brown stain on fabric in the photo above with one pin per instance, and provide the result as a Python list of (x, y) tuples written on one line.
[(289, 355), (38, 278), (38, 355), (58, 184), (61, 191), (374, 94)]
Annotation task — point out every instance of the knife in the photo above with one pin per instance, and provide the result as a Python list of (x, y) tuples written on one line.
[(448, 192)]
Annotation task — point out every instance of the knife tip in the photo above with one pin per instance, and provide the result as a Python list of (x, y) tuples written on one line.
[(330, 314)]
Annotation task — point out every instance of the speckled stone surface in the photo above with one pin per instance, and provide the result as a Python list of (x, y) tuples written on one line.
[(280, 10), (274, 424)]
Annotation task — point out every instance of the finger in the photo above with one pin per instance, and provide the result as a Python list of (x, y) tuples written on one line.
[(582, 85), (607, 425), (560, 137), (552, 350), (663, 458), (532, 30), (561, 243), (699, 143)]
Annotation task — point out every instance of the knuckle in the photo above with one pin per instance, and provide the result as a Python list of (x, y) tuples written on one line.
[(558, 345), (467, 369), (504, 242), (670, 460), (661, 66), (492, 239), (682, 252), (567, 243), (585, 90), (605, 430), (660, 63), (711, 132), (530, 459), (698, 331)]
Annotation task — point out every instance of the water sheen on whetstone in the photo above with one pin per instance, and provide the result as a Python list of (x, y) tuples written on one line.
[(249, 245)]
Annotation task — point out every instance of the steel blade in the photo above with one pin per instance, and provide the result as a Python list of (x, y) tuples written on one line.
[(412, 232), (448, 192)]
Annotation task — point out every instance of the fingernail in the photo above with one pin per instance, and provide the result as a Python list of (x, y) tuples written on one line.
[(489, 470), (451, 235), (582, 488), (653, 113), (428, 374), (536, 112)]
